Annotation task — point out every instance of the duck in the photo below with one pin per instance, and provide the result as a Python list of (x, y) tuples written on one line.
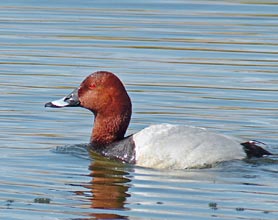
[(162, 146)]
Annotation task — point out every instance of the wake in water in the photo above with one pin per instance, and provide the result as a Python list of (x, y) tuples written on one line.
[(77, 150)]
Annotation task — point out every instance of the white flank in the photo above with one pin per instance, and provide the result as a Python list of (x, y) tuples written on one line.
[(180, 147)]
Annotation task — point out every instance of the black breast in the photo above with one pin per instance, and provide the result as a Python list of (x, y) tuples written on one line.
[(123, 150)]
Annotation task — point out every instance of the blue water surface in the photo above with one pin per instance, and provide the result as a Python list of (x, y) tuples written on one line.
[(207, 63)]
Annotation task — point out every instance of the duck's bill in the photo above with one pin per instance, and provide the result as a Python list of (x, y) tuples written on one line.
[(70, 100)]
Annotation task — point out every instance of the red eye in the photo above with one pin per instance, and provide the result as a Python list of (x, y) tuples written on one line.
[(92, 86)]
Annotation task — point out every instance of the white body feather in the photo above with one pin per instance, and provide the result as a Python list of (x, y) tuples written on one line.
[(180, 147)]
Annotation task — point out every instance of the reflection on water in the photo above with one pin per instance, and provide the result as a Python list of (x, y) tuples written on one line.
[(203, 63), (108, 188)]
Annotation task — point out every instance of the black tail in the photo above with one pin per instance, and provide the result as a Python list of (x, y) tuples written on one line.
[(252, 149)]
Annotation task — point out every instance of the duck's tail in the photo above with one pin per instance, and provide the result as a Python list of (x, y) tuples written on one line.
[(252, 149)]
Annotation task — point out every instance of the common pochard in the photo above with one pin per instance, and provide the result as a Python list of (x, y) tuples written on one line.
[(157, 146)]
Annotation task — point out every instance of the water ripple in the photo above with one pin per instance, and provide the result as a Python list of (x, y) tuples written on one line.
[(204, 63)]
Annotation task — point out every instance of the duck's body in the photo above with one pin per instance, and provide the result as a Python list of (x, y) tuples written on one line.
[(157, 146), (184, 147)]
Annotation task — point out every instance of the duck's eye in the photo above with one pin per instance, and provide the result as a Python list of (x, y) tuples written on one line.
[(92, 86)]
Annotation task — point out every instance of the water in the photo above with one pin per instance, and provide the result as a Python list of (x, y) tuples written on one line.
[(204, 63)]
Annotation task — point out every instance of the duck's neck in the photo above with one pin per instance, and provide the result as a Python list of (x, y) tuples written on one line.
[(109, 128)]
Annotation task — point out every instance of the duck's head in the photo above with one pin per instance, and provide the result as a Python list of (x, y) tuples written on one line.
[(105, 95)]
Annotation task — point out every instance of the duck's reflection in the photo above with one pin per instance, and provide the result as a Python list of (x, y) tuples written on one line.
[(109, 187)]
